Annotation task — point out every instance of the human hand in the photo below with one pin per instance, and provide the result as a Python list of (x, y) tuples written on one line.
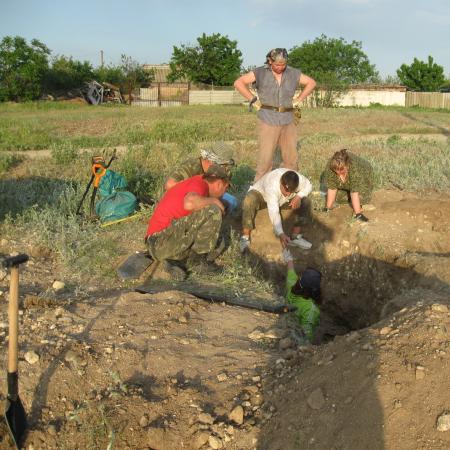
[(295, 202), (254, 103), (284, 240), (286, 256)]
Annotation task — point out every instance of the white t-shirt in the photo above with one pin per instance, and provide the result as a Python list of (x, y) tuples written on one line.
[(269, 187)]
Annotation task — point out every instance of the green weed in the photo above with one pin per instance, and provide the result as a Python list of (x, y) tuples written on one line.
[(8, 161)]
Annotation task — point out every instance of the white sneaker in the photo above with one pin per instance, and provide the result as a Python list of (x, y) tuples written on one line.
[(298, 241), (244, 243)]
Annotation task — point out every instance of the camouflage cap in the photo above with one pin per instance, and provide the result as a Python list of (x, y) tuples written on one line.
[(218, 171), (219, 153), (279, 55)]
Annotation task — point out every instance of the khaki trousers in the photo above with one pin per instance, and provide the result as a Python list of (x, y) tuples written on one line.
[(269, 136)]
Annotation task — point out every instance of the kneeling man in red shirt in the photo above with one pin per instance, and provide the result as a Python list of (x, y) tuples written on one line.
[(186, 223)]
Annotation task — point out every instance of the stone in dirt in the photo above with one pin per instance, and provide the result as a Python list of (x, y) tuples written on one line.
[(31, 357), (205, 418), (443, 422), (285, 343), (316, 400), (439, 308), (420, 373), (143, 421), (58, 285), (215, 442), (222, 377), (237, 415), (200, 439), (385, 330)]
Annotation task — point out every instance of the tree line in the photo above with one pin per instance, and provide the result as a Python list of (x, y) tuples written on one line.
[(27, 70)]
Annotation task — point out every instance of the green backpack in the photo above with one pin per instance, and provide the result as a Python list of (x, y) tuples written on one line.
[(115, 203)]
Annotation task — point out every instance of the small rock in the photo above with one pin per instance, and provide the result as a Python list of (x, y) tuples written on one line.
[(143, 421), (222, 377), (285, 343), (59, 312), (256, 379), (256, 335), (205, 418), (274, 333), (3, 325), (367, 347), (182, 319), (289, 354), (51, 430), (58, 285), (31, 357), (385, 330), (237, 415), (200, 439), (437, 307), (215, 442), (345, 243), (420, 372), (443, 422), (353, 337), (316, 400)]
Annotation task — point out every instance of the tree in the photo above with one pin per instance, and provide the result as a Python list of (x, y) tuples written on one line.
[(335, 64), (134, 76), (422, 76), (66, 73), (22, 68), (215, 60), (110, 74)]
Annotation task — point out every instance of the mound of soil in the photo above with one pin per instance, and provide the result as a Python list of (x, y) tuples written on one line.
[(112, 368)]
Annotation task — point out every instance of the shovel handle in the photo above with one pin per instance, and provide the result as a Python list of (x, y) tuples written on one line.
[(13, 313)]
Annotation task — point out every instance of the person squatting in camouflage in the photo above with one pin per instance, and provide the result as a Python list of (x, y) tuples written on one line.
[(217, 153), (348, 178), (186, 223)]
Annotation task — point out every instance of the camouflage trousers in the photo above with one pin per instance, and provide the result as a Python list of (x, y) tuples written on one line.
[(196, 232), (254, 201)]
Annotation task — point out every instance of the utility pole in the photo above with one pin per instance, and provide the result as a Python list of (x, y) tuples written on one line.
[(101, 58)]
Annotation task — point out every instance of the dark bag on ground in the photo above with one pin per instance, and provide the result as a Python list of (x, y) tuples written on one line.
[(115, 203)]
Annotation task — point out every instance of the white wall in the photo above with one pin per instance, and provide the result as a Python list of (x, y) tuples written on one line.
[(365, 98)]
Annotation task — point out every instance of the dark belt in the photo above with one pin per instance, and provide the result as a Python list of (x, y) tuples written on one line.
[(277, 108)]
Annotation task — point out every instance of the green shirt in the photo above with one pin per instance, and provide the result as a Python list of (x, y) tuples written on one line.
[(359, 179), (308, 313), (188, 169)]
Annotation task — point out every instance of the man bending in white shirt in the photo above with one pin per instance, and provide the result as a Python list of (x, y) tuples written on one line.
[(275, 189)]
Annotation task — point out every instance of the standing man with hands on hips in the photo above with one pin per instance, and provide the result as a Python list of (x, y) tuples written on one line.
[(276, 85)]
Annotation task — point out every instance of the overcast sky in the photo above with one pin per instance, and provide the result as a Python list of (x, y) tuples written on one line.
[(392, 32)]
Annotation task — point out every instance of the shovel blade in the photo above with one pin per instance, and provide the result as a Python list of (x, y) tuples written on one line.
[(16, 420)]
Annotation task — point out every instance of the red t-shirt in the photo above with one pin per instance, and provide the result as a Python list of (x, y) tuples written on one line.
[(171, 206)]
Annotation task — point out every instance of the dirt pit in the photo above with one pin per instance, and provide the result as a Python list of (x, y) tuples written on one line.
[(116, 369)]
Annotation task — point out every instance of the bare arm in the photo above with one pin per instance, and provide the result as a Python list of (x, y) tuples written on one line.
[(170, 183), (331, 197), (308, 84), (356, 203), (195, 202), (241, 84)]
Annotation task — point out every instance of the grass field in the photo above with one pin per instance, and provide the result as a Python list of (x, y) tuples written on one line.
[(409, 148)]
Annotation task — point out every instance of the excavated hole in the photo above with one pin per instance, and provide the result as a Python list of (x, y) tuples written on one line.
[(356, 290)]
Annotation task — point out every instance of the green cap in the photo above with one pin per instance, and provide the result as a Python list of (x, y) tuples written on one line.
[(217, 171)]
